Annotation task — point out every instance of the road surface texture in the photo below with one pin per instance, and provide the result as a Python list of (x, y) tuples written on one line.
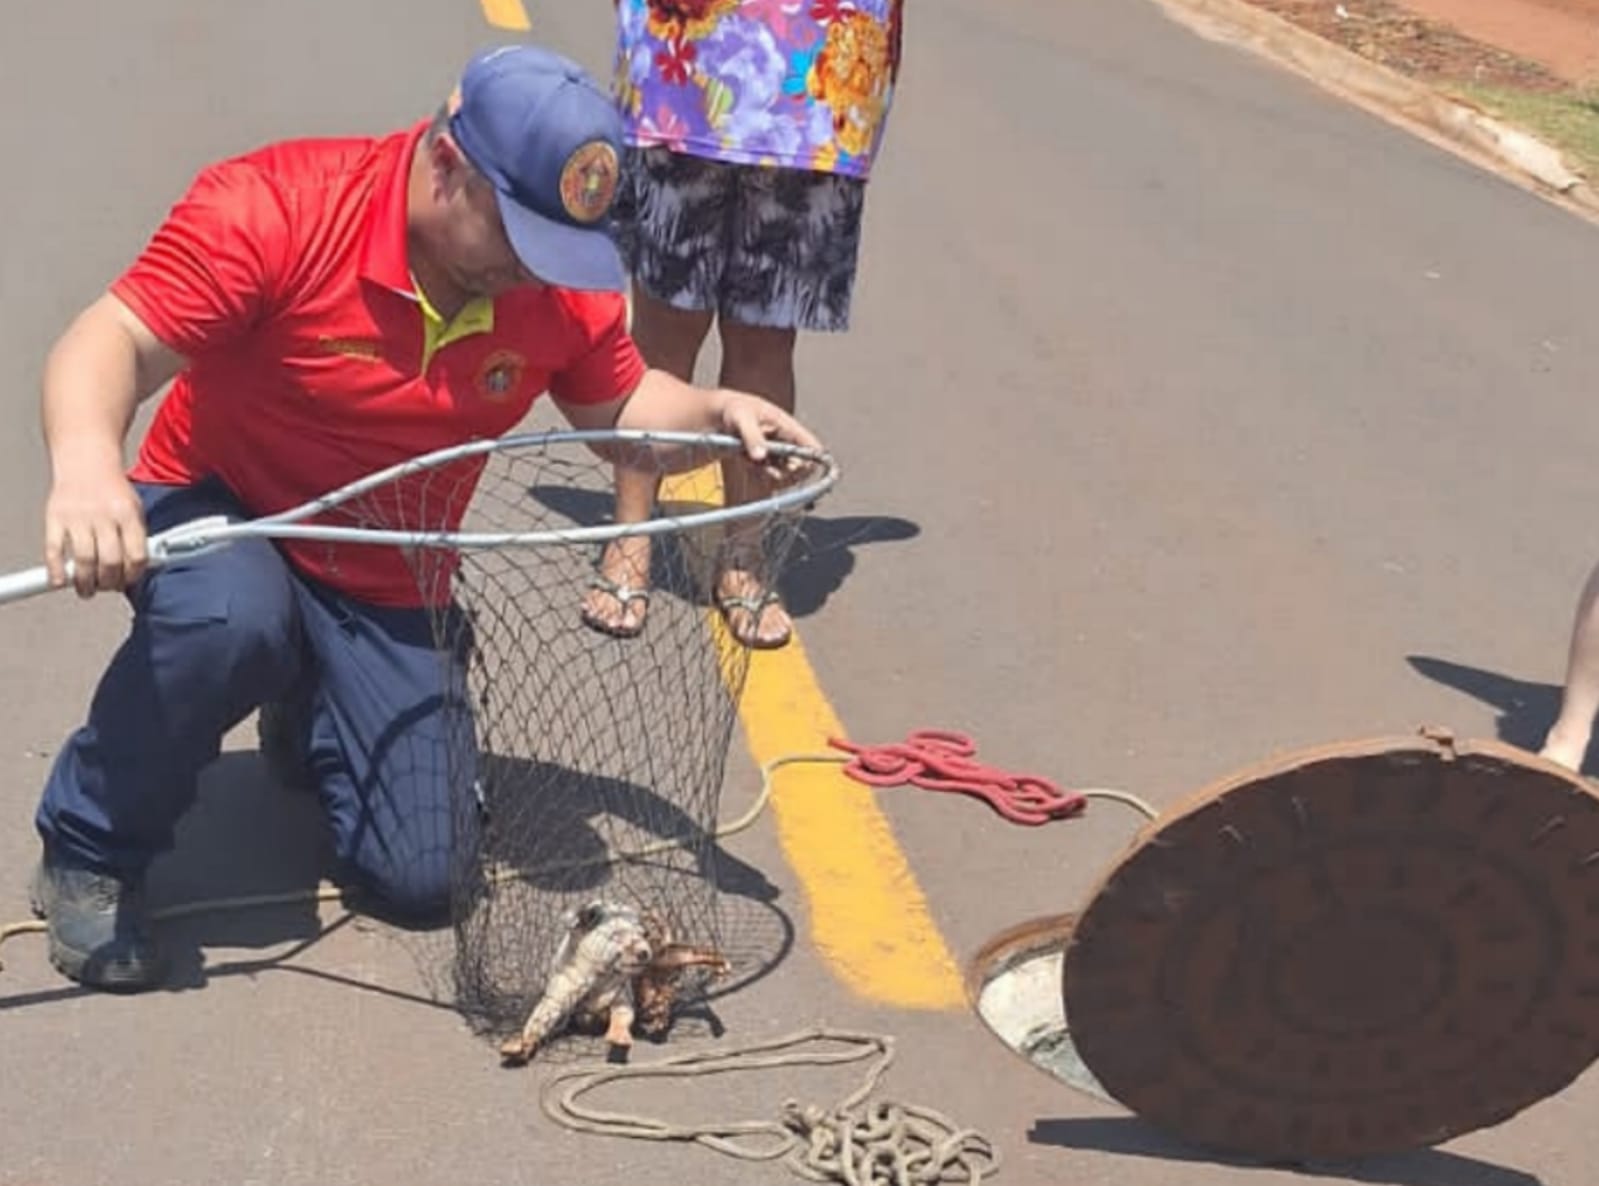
[(1188, 416)]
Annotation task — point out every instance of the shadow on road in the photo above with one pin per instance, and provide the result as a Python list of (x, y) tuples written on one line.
[(244, 838), (823, 555), (1131, 1137), (248, 838), (1525, 709)]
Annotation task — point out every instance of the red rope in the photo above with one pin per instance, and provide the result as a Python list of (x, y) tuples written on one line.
[(941, 760)]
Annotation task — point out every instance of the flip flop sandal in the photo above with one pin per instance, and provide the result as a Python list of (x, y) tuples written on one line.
[(755, 607), (625, 596)]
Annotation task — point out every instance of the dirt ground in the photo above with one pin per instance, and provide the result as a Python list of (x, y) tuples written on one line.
[(1562, 34), (1537, 45)]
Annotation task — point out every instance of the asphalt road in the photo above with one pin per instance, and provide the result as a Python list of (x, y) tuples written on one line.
[(1196, 416)]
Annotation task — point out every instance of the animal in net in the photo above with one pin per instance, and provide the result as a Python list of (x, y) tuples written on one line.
[(582, 768)]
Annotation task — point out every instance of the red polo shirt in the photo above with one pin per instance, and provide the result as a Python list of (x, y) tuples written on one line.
[(282, 277)]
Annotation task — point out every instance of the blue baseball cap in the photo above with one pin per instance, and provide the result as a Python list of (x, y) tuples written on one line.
[(550, 141)]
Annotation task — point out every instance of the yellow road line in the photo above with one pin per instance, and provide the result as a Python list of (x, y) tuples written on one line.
[(868, 916), (506, 14)]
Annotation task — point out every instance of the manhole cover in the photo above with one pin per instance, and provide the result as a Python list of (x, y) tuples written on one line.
[(1356, 949)]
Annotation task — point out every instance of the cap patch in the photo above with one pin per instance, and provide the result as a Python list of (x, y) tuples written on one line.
[(588, 181)]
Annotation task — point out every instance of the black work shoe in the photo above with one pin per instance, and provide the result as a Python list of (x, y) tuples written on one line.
[(282, 730), (99, 935)]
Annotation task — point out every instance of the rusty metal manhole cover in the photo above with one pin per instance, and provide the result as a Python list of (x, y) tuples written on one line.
[(1352, 950)]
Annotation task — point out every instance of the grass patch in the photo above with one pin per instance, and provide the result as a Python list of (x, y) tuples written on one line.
[(1568, 120)]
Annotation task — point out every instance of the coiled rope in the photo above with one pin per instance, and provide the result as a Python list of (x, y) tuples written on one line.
[(856, 1143)]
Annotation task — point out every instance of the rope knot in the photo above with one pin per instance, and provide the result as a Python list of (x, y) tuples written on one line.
[(803, 1119)]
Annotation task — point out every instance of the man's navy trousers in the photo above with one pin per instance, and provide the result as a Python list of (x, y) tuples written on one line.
[(217, 635)]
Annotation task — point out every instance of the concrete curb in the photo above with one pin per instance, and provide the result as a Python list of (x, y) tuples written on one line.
[(1468, 132)]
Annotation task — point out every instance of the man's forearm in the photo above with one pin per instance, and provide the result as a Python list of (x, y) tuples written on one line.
[(94, 378), (91, 387), (664, 403), (661, 403)]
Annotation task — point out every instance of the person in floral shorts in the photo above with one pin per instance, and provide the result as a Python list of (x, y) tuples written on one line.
[(751, 129)]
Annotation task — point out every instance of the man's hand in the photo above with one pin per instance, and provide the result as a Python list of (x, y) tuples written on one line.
[(93, 517), (757, 421), (96, 375)]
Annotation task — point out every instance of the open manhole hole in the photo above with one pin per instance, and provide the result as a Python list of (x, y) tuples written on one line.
[(1014, 984), (1352, 950)]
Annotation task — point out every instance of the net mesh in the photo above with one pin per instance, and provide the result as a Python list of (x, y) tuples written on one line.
[(581, 766)]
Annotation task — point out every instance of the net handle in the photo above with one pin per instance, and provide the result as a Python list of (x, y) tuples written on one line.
[(207, 534)]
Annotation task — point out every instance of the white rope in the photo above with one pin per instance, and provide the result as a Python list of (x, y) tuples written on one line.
[(853, 1142)]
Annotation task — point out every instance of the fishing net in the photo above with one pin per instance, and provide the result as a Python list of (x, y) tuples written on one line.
[(584, 766)]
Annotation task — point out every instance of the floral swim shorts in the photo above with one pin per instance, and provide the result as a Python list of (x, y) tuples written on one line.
[(759, 245)]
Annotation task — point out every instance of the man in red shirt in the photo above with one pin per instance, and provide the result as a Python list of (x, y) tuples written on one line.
[(325, 308)]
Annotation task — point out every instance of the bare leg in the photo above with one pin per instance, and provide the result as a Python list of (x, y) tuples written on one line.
[(758, 360), (1568, 738), (670, 340)]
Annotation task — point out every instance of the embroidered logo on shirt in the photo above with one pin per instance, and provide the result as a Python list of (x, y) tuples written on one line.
[(588, 181), (350, 347), (500, 375)]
